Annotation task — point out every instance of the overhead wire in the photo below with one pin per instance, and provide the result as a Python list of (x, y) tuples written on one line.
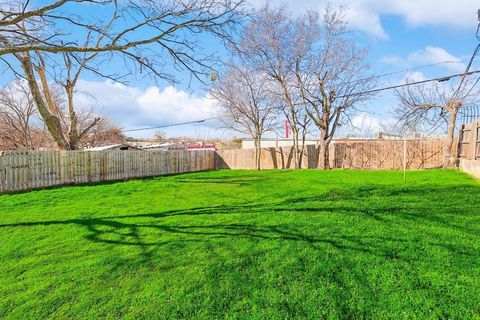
[(407, 84), (439, 79), (170, 125)]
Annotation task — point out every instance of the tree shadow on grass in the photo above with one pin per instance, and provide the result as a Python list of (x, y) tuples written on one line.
[(153, 230), (394, 209)]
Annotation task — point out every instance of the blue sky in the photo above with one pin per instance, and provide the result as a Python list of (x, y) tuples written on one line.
[(399, 34)]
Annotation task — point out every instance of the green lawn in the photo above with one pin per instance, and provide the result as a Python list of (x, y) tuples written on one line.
[(245, 245)]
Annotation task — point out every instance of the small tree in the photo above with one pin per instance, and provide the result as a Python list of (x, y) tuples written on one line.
[(17, 112), (437, 106), (245, 104)]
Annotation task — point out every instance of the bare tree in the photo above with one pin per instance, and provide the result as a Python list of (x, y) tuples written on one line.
[(318, 71), (21, 127), (17, 110), (330, 73), (245, 103), (267, 46), (104, 133), (60, 115), (136, 29), (156, 37), (436, 106)]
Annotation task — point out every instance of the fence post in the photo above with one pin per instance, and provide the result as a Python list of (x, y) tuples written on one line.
[(476, 139), (472, 142), (460, 140)]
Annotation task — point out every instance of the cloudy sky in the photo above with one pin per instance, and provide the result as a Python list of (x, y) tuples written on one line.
[(399, 34)]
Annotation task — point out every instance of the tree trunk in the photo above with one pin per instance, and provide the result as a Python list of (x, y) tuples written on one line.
[(73, 138), (450, 158), (258, 151), (53, 123), (323, 156), (295, 146)]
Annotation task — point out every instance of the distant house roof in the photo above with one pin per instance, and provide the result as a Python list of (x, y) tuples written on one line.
[(121, 146)]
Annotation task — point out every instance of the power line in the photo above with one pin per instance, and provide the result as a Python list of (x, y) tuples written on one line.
[(170, 125), (411, 69), (475, 53), (441, 79)]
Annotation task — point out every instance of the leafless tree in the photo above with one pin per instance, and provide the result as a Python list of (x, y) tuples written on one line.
[(318, 71), (138, 29), (245, 104), (22, 128), (64, 120), (17, 112), (436, 106), (104, 133), (267, 46), (330, 73), (156, 37)]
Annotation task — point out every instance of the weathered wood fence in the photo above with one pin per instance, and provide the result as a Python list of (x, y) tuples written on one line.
[(469, 148), (344, 154), (24, 170), (388, 154), (469, 141)]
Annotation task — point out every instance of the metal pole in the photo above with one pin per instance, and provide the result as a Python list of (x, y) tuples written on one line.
[(404, 159)]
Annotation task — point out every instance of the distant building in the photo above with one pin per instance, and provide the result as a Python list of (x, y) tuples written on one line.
[(163, 146), (170, 146), (274, 143), (112, 147), (210, 147)]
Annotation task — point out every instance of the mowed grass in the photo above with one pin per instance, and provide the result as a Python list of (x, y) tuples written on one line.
[(245, 245)]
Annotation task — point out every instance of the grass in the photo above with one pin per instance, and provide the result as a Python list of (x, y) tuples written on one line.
[(245, 245)]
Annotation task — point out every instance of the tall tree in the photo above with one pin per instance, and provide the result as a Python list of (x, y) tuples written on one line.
[(245, 104), (268, 46), (330, 73), (152, 37), (318, 71)]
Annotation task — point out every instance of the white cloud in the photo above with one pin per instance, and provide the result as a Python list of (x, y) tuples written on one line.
[(364, 125), (133, 107), (365, 15), (432, 55), (429, 56), (413, 77)]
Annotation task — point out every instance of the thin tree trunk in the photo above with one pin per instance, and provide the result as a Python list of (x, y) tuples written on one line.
[(296, 157), (258, 151), (323, 156), (450, 158), (73, 130)]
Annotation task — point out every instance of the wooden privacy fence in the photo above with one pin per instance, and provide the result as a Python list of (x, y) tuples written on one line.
[(469, 148), (469, 141), (24, 170), (388, 154), (344, 154)]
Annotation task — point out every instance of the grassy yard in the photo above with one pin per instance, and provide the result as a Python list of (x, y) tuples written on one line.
[(245, 245)]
